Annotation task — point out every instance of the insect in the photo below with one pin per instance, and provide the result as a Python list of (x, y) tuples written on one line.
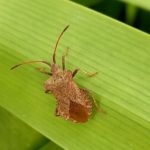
[(73, 102)]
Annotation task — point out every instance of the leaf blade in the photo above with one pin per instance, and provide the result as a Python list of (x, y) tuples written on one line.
[(120, 55)]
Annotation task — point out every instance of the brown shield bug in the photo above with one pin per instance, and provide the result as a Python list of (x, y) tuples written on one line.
[(73, 102)]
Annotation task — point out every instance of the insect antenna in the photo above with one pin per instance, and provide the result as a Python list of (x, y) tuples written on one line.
[(30, 62), (54, 54)]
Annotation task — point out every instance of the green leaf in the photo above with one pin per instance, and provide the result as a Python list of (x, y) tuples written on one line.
[(145, 4), (87, 2), (28, 31), (50, 146), (131, 12), (111, 8), (17, 135)]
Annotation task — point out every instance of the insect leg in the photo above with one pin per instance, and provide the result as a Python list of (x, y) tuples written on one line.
[(42, 70), (82, 71), (48, 92), (63, 58), (96, 105), (57, 112), (75, 72)]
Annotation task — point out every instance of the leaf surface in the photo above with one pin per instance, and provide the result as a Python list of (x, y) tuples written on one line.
[(28, 31)]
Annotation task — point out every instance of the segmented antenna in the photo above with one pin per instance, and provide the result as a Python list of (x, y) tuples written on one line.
[(30, 62), (54, 54), (45, 62)]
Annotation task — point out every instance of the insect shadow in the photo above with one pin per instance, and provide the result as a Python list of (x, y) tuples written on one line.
[(73, 103)]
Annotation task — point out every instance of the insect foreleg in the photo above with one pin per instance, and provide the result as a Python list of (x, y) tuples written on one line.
[(75, 72), (82, 71), (42, 70), (48, 92)]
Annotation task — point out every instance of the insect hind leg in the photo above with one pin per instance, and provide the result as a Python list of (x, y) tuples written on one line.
[(93, 100), (98, 108)]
